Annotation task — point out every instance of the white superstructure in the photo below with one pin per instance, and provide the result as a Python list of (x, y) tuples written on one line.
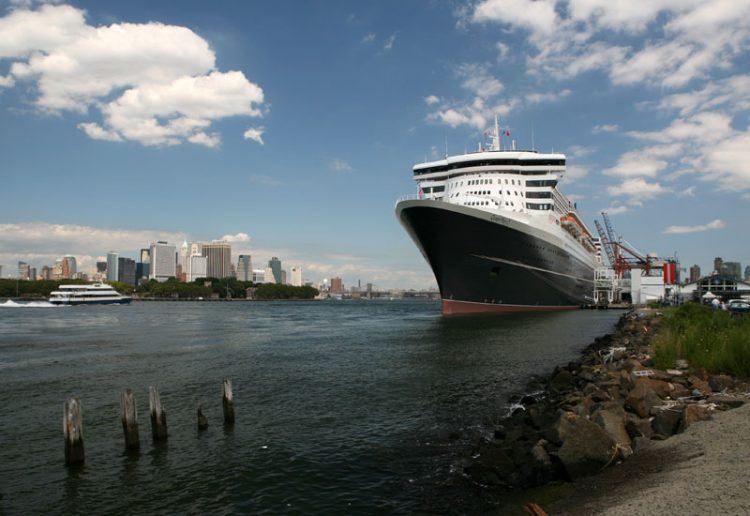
[(96, 294)]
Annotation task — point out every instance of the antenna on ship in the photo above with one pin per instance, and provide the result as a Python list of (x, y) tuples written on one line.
[(496, 137), (533, 147), (446, 145)]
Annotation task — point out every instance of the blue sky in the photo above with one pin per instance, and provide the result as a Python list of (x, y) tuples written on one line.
[(291, 127)]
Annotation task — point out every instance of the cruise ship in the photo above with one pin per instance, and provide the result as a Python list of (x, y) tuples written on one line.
[(96, 294), (498, 234)]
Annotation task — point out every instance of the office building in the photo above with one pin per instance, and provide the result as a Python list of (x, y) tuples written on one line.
[(112, 262), (732, 269), (259, 276), (718, 262), (695, 273), (283, 277), (195, 268), (244, 268), (46, 273), (219, 259), (126, 271), (101, 266), (69, 267), (297, 276), (23, 270), (32, 273), (268, 276), (146, 255), (337, 286), (163, 264), (57, 269), (275, 265)]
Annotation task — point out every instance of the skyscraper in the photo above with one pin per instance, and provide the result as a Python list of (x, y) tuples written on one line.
[(195, 267), (717, 264), (162, 261), (245, 268), (23, 270), (275, 265), (32, 273), (297, 276), (112, 270), (101, 266), (126, 271), (69, 267), (732, 269), (695, 273), (219, 259), (337, 286)]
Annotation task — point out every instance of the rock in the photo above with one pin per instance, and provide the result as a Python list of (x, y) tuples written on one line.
[(537, 417), (493, 467), (700, 385), (563, 426), (642, 398), (638, 427), (614, 424), (562, 381), (667, 422), (595, 393), (680, 391), (723, 399), (661, 388), (626, 381), (539, 452), (681, 363), (720, 382), (701, 373), (694, 413), (528, 400), (631, 365), (586, 449), (499, 433)]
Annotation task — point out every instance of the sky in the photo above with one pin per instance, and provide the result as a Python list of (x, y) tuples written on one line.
[(290, 128)]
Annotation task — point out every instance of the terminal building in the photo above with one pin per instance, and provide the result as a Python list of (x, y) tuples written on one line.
[(723, 286)]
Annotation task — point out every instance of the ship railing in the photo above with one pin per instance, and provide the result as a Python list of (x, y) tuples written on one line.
[(417, 197)]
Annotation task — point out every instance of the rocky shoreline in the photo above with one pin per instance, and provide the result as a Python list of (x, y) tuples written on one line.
[(594, 413)]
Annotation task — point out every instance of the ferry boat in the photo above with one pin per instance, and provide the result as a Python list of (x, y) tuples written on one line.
[(498, 234), (96, 294)]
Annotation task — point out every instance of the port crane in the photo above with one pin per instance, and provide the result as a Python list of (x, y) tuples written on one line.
[(621, 254)]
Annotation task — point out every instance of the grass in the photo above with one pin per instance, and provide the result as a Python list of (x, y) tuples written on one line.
[(706, 338)]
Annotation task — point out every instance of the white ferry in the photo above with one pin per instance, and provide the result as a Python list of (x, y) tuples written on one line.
[(96, 294)]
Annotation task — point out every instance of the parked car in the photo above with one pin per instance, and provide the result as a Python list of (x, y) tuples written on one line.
[(739, 306)]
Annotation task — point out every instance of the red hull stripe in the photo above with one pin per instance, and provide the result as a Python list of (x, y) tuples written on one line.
[(452, 307)]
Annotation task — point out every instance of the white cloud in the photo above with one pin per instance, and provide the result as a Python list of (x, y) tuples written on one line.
[(688, 192), (389, 42), (255, 134), (636, 190), (732, 92), (605, 128), (535, 16), (236, 238), (575, 172), (339, 165), (153, 83), (552, 96), (616, 209), (368, 38), (677, 230), (579, 151), (431, 99)]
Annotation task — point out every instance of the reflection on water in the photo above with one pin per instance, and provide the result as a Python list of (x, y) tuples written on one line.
[(341, 407)]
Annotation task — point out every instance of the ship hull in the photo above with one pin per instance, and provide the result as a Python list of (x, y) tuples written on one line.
[(489, 264), (123, 301)]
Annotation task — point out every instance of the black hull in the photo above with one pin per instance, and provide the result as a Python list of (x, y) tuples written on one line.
[(482, 265)]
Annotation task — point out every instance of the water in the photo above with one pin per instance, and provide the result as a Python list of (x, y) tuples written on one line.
[(342, 406)]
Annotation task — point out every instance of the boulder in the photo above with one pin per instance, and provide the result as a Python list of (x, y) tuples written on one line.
[(595, 393), (728, 401), (661, 388), (667, 422), (721, 382), (642, 398), (701, 373), (694, 413), (638, 427), (613, 422), (493, 466), (586, 449), (700, 385), (563, 426), (540, 455), (626, 381), (562, 380)]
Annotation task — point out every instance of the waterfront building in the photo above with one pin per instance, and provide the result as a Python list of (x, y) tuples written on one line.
[(162, 261), (732, 269), (112, 271), (245, 268), (259, 276), (126, 271), (268, 276), (695, 273), (69, 266), (337, 286), (23, 270), (721, 285), (219, 256), (195, 267), (81, 276), (275, 265), (297, 276), (718, 262)]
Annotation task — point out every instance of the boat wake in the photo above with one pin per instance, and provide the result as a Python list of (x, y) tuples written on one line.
[(31, 304)]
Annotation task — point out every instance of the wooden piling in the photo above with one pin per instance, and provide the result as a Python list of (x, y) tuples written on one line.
[(73, 432), (202, 420), (158, 416), (228, 403), (129, 417)]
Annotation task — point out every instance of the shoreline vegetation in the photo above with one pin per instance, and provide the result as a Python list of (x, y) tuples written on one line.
[(205, 288), (656, 375)]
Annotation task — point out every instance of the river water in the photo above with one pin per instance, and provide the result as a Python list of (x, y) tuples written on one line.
[(342, 406)]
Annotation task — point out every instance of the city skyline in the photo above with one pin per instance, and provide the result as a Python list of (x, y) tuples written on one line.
[(654, 129)]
